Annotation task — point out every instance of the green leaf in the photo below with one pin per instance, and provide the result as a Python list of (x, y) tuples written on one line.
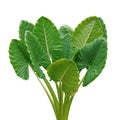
[(65, 71), (18, 60), (24, 26), (93, 57), (27, 26), (65, 35), (36, 53), (87, 31), (49, 38)]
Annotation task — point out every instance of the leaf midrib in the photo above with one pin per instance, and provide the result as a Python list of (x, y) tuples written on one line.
[(46, 42), (88, 35), (62, 77)]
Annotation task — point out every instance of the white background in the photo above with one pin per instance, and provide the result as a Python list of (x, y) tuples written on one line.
[(25, 100)]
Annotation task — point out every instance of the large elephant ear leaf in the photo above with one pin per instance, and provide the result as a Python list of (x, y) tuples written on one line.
[(93, 57), (87, 31), (36, 53), (18, 60), (49, 38), (24, 26), (65, 35), (65, 71)]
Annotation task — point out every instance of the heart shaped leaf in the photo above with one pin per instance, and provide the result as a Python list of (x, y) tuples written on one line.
[(18, 60), (65, 71), (93, 57), (21, 57)]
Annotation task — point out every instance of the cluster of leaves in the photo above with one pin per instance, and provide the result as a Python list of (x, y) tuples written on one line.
[(63, 53)]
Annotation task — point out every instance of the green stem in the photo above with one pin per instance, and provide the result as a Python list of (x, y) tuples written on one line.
[(51, 95), (58, 90), (56, 103), (67, 104), (61, 102), (62, 107)]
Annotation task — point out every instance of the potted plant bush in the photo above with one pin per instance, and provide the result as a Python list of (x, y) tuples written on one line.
[(63, 53)]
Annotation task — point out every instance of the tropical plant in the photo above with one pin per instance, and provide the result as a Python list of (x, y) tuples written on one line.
[(63, 53)]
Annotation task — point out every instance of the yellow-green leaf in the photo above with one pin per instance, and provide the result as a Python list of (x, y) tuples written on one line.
[(87, 31), (65, 71)]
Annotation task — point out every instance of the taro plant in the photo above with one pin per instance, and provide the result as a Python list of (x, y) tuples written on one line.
[(63, 53)]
